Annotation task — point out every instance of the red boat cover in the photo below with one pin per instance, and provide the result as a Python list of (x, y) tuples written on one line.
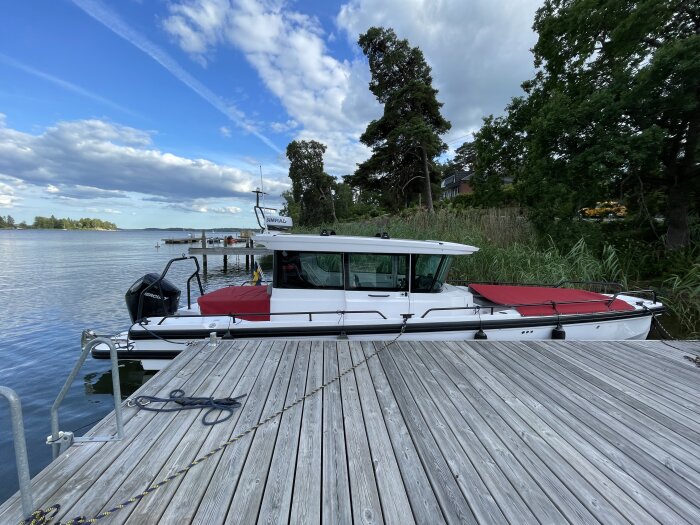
[(540, 298), (239, 300)]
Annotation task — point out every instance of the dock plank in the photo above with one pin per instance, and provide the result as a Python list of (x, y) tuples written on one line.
[(392, 490), (422, 498), (194, 484), (518, 496), (247, 494), (336, 506), (583, 481), (189, 448), (425, 432), (604, 441), (277, 500), (452, 501), (364, 494), (306, 497)]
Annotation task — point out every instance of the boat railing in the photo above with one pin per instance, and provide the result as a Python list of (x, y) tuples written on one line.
[(20, 444), (59, 440), (641, 293), (160, 280), (233, 316), (603, 285)]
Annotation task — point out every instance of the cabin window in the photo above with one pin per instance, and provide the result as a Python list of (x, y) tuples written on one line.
[(375, 271), (308, 270), (429, 272)]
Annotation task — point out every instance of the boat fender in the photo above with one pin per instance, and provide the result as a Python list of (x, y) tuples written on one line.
[(480, 334), (558, 332)]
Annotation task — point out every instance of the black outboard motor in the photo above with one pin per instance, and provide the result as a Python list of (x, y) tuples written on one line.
[(152, 302)]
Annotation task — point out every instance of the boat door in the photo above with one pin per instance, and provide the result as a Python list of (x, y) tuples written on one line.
[(376, 282)]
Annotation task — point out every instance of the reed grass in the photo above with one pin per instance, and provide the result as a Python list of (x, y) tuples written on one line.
[(681, 295)]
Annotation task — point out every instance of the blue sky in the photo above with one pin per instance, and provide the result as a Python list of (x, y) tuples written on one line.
[(157, 113)]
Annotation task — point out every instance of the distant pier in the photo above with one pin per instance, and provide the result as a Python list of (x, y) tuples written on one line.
[(409, 432), (242, 247)]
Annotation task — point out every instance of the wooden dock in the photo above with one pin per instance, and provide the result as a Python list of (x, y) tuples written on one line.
[(424, 432)]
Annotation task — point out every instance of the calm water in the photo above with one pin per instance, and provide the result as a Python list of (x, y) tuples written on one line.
[(54, 284)]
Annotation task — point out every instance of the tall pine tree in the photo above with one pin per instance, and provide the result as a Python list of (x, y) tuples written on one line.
[(406, 139)]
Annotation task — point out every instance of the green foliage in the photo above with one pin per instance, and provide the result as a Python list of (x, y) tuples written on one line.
[(52, 223), (312, 188), (682, 297), (612, 112), (406, 139)]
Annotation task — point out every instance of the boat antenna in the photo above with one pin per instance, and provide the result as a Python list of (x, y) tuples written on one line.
[(262, 188)]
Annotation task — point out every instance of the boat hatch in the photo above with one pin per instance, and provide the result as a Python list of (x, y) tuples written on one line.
[(538, 300)]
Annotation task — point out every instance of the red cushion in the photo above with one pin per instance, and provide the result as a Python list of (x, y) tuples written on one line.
[(540, 299), (239, 300)]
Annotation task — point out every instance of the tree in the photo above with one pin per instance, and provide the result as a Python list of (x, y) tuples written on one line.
[(312, 188), (614, 109), (406, 139), (10, 221)]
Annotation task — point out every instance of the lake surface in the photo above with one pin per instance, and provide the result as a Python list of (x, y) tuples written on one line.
[(54, 284)]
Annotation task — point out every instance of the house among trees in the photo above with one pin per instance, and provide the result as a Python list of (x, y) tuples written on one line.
[(456, 183)]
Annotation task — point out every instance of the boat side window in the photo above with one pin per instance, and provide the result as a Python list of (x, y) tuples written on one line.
[(429, 272), (377, 271), (318, 270)]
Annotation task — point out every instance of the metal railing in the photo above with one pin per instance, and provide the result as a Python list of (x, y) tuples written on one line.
[(233, 316), (20, 443), (59, 440)]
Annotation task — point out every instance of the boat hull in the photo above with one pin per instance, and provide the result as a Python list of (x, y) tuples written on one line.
[(155, 344)]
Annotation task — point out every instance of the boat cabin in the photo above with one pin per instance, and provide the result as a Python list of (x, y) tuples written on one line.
[(362, 276)]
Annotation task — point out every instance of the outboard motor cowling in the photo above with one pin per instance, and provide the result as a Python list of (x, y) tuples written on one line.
[(152, 302)]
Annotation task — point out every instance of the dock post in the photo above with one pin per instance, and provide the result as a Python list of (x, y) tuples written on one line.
[(204, 256), (225, 262), (247, 257)]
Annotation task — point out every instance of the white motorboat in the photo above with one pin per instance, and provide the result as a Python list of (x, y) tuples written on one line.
[(370, 288)]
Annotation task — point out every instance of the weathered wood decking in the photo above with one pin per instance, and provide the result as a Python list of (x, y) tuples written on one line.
[(487, 432)]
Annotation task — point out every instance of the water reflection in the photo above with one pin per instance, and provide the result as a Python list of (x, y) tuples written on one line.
[(131, 377)]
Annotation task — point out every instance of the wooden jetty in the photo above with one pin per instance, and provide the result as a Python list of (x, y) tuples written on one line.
[(422, 432), (248, 251), (185, 240)]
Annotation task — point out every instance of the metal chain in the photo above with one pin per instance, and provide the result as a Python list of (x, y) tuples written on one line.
[(44, 517)]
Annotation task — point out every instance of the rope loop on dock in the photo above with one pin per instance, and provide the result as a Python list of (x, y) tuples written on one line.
[(47, 515), (225, 405)]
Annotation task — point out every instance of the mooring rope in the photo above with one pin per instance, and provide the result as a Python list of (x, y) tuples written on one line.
[(223, 405), (665, 334), (45, 516)]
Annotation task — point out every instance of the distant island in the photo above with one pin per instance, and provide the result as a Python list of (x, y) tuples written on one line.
[(52, 223)]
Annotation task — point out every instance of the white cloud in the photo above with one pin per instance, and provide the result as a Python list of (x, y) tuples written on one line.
[(479, 50), (9, 186), (283, 127), (204, 206), (325, 97), (90, 159), (103, 210), (225, 131)]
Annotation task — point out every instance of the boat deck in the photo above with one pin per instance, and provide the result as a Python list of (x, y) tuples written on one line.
[(476, 432)]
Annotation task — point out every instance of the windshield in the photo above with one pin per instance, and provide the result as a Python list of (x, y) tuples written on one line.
[(429, 272)]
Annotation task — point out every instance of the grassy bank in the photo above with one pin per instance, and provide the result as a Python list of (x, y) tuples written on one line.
[(509, 251)]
